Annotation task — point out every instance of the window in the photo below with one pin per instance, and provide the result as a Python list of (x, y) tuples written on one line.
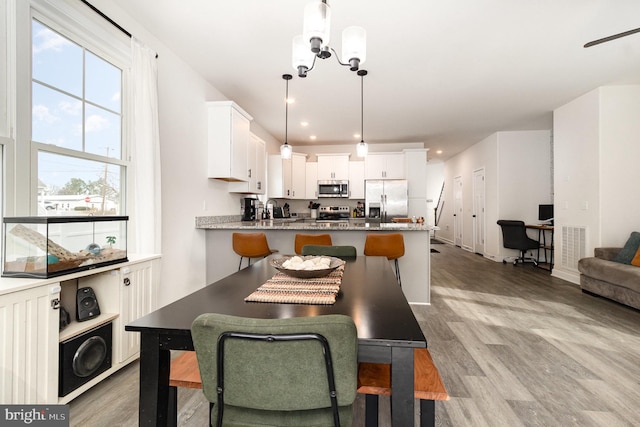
[(76, 127)]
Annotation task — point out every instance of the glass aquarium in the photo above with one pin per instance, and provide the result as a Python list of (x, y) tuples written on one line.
[(43, 247)]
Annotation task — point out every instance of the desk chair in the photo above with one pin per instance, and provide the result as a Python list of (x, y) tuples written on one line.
[(341, 252), (310, 239), (389, 245), (251, 245), (285, 372), (514, 236)]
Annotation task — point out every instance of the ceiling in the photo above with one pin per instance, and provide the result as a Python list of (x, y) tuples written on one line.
[(445, 73)]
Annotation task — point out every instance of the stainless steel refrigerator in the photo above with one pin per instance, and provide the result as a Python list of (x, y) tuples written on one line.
[(386, 199)]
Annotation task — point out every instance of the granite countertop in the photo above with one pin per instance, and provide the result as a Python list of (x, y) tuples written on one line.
[(213, 223)]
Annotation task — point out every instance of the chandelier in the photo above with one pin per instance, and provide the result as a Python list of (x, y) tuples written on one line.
[(313, 43)]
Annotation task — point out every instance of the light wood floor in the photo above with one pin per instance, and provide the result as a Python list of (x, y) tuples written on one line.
[(515, 347)]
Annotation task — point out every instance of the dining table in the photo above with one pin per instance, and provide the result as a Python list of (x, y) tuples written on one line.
[(387, 329)]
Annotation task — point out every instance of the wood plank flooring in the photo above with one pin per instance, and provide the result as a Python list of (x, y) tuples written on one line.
[(514, 346)]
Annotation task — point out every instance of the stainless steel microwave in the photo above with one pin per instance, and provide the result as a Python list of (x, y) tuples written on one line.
[(333, 188)]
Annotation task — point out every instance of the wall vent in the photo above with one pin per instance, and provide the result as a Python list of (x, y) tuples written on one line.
[(573, 246)]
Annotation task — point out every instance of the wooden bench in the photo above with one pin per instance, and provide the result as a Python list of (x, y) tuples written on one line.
[(374, 379), (184, 373)]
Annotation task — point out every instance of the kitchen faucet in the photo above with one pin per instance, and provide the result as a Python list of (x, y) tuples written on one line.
[(266, 210)]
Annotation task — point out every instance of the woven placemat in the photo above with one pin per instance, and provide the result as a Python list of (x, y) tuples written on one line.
[(283, 289)]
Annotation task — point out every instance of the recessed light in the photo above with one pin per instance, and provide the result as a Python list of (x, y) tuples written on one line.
[(290, 100), (312, 137), (439, 152), (356, 135), (304, 123)]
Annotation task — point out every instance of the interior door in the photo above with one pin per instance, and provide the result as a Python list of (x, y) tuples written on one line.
[(457, 211), (478, 212)]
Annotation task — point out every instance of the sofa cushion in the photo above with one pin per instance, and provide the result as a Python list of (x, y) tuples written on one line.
[(629, 250), (636, 259)]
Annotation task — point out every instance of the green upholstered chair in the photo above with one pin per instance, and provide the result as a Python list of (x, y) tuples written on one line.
[(273, 372), (336, 251)]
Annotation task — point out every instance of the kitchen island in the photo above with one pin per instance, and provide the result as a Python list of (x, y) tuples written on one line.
[(414, 265)]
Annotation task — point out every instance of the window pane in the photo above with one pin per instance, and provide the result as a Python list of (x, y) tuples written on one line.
[(103, 82), (73, 186), (56, 118), (56, 60), (102, 132)]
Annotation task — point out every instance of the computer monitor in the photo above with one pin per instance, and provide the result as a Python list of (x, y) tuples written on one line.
[(545, 213)]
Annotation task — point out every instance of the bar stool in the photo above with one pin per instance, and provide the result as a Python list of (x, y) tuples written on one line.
[(251, 245), (311, 239), (389, 245)]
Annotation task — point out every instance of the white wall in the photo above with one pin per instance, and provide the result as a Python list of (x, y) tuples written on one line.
[(517, 179), (186, 191), (596, 154), (435, 179)]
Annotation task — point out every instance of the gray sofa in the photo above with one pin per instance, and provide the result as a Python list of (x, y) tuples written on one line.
[(601, 276)]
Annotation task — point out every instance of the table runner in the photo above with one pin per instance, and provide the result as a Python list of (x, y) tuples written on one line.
[(285, 289)]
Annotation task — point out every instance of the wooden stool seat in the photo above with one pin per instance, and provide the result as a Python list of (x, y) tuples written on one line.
[(311, 239), (374, 379), (250, 245), (389, 245)]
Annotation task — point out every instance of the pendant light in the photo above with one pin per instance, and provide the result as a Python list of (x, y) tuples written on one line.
[(285, 149), (362, 148)]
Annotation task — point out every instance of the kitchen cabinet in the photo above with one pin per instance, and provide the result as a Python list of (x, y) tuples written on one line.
[(255, 173), (333, 166), (356, 180), (228, 141), (384, 166), (287, 178), (311, 179), (29, 345)]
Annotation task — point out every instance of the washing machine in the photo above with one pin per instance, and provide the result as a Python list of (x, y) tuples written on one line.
[(84, 357)]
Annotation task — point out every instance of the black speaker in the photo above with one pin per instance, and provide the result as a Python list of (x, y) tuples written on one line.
[(87, 304), (83, 358)]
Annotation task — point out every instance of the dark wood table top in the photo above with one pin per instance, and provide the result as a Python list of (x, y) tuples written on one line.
[(369, 294)]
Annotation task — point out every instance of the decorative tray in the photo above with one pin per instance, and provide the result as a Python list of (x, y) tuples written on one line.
[(319, 268)]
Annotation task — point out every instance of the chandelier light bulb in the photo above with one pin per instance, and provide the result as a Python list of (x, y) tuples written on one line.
[(316, 28)]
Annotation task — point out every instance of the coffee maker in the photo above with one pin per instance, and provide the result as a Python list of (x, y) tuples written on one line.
[(249, 209)]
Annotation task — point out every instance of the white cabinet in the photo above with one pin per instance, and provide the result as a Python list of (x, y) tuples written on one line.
[(30, 325), (384, 166), (356, 180), (228, 141), (287, 178), (138, 297), (312, 180), (29, 346), (255, 174), (333, 166)]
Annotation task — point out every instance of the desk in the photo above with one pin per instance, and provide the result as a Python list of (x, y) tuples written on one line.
[(387, 329), (546, 245)]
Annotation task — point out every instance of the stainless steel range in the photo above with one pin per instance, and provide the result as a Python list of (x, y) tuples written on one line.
[(333, 214)]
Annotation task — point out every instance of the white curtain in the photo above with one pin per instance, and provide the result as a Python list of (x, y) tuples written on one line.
[(145, 202)]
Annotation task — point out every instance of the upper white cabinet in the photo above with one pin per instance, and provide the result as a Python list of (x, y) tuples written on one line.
[(356, 180), (384, 166), (312, 180), (333, 166), (229, 139), (256, 164), (287, 178)]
